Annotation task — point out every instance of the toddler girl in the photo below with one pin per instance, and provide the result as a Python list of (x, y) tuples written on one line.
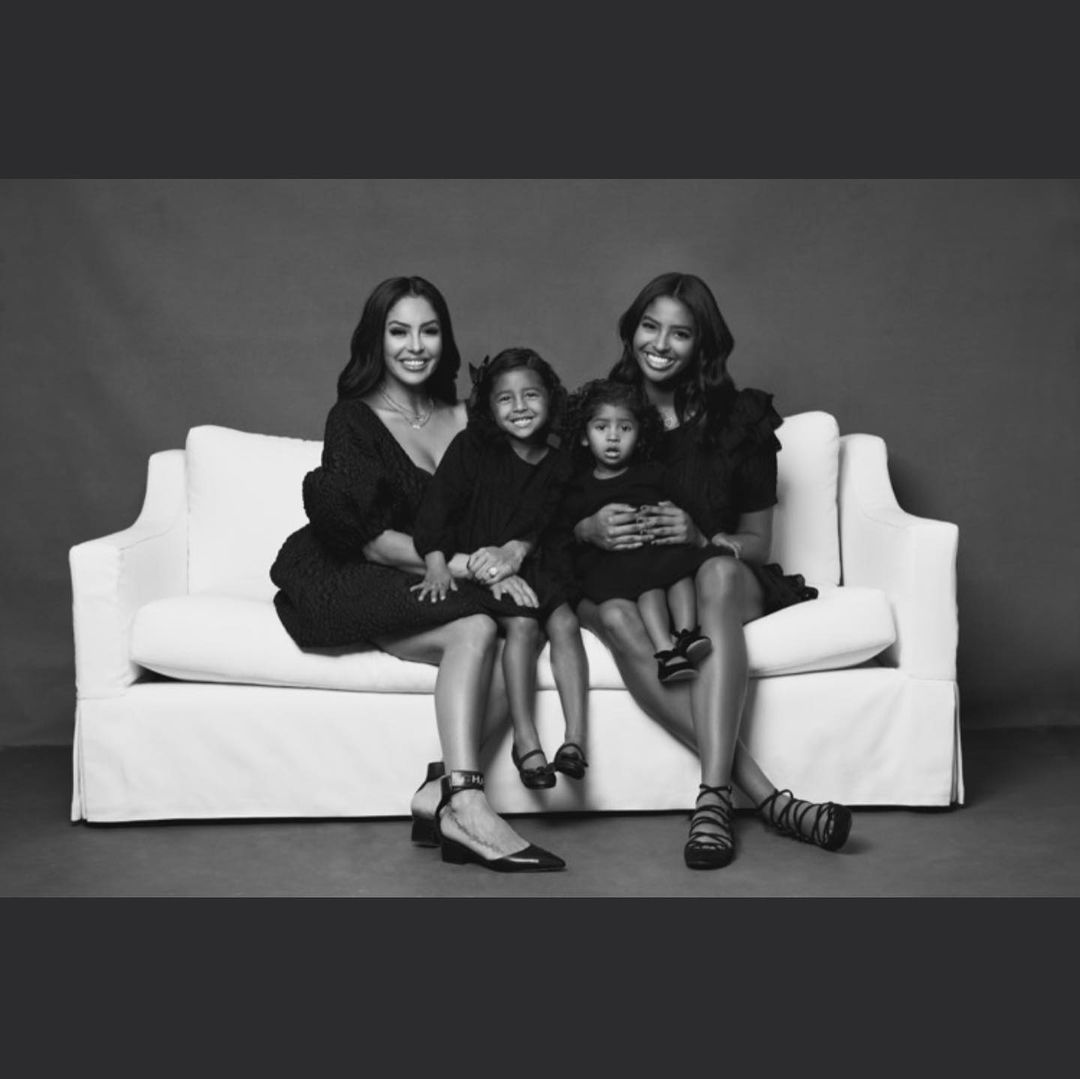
[(615, 430), (495, 494)]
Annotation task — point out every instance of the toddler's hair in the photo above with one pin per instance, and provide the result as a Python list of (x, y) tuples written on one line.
[(483, 377), (587, 400)]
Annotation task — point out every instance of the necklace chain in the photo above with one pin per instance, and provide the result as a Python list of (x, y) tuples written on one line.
[(416, 419)]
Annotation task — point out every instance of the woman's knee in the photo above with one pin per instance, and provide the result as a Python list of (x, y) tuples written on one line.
[(476, 631), (621, 622), (720, 580)]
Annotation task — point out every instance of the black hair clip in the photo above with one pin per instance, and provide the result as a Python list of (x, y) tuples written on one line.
[(477, 373)]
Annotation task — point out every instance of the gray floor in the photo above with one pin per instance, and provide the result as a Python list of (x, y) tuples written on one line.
[(1018, 835)]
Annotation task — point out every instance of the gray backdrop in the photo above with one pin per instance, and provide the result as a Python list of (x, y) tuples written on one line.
[(943, 315)]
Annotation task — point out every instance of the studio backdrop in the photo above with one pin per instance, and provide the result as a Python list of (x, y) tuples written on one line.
[(943, 315)]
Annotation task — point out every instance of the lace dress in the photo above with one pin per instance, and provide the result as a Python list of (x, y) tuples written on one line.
[(329, 595)]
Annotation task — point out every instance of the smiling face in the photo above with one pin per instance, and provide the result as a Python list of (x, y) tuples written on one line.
[(611, 435), (412, 342), (666, 340), (520, 403)]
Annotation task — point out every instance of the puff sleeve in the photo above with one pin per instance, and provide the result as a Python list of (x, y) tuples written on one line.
[(754, 474), (348, 498)]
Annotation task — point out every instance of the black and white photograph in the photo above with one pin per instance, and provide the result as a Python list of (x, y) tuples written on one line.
[(540, 538)]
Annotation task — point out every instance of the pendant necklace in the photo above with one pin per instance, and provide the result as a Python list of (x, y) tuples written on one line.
[(416, 420)]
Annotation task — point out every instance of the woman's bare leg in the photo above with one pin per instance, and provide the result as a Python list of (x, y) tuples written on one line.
[(727, 591), (570, 668), (619, 626), (652, 606), (464, 651)]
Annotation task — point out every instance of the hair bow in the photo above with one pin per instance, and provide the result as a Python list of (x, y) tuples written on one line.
[(477, 373)]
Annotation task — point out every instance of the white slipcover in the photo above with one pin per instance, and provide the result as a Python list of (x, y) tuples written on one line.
[(853, 695)]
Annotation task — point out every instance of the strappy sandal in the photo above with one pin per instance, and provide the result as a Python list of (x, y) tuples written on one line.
[(829, 828), (570, 760), (423, 828), (534, 778), (707, 849), (532, 859)]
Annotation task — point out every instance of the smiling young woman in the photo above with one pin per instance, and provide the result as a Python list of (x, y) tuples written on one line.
[(347, 578), (719, 448)]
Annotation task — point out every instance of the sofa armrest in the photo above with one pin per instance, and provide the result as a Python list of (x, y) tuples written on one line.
[(912, 559), (112, 577)]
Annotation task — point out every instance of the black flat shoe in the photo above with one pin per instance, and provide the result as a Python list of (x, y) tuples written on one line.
[(532, 859), (672, 666), (707, 849), (570, 760), (423, 828), (692, 644), (534, 778), (828, 828)]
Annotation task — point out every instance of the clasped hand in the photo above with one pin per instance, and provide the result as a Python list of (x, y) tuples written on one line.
[(488, 565), (621, 527), (494, 567)]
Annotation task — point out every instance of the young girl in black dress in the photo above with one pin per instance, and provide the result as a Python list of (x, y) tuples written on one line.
[(496, 493), (615, 430)]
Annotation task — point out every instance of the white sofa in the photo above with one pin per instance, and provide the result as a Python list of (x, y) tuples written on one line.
[(193, 702)]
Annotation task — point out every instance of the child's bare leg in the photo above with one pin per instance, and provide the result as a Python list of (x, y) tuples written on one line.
[(654, 615), (570, 666), (682, 602), (519, 670)]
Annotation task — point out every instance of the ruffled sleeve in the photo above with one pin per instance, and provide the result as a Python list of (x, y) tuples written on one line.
[(349, 498), (447, 497), (754, 446)]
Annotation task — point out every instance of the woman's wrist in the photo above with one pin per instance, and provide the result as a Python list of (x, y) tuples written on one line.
[(517, 551), (583, 530), (459, 566), (728, 542)]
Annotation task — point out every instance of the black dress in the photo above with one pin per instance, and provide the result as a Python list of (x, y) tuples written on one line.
[(329, 595), (603, 575), (483, 494), (716, 485)]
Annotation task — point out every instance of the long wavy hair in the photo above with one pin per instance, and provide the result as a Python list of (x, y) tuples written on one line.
[(588, 399), (367, 364), (704, 391), (478, 406)]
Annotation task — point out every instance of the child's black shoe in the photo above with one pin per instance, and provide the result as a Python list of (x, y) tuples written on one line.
[(691, 643), (673, 666)]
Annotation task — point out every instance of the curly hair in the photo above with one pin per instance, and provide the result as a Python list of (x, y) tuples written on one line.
[(584, 403), (367, 364), (478, 406), (704, 391)]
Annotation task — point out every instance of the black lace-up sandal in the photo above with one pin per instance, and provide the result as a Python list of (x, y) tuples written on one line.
[(828, 828), (423, 828), (532, 859), (707, 849), (539, 778), (570, 760)]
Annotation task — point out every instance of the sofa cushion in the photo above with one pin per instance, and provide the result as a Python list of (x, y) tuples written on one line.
[(244, 497), (226, 638), (806, 534)]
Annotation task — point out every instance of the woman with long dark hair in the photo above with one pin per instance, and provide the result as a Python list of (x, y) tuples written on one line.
[(720, 449), (349, 578)]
